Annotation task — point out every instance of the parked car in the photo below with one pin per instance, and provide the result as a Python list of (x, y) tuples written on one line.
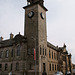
[(58, 73), (68, 73)]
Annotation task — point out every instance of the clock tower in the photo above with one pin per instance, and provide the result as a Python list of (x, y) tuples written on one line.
[(35, 31)]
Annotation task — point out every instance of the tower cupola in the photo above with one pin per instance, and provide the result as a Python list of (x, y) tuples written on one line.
[(41, 2)]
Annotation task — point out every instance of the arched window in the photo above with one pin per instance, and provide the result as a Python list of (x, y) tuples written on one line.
[(7, 53), (17, 66), (6, 67), (18, 50)]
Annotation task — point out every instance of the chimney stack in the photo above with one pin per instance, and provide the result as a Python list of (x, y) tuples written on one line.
[(1, 38), (11, 36)]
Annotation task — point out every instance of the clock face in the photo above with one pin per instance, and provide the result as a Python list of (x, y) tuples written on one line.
[(31, 14), (42, 15)]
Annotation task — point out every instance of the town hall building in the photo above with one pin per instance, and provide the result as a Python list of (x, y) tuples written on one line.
[(31, 53)]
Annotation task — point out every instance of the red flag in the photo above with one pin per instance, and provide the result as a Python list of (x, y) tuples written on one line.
[(34, 54)]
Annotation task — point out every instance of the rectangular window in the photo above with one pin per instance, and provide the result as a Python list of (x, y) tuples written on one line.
[(44, 67), (17, 66), (52, 55), (6, 67), (1, 54), (30, 66), (32, 51), (40, 50), (12, 53), (18, 50), (7, 54), (49, 54), (43, 51), (57, 67), (53, 67), (50, 67), (11, 66), (28, 51), (56, 56), (0, 67)]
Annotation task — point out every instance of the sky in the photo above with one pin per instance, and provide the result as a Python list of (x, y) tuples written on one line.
[(60, 19)]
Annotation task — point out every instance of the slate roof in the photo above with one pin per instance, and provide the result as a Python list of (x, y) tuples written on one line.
[(5, 43), (59, 49), (17, 39), (52, 46)]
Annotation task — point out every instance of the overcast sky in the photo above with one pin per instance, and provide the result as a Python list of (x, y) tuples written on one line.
[(60, 21)]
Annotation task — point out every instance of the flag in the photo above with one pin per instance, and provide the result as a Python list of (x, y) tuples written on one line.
[(34, 54)]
